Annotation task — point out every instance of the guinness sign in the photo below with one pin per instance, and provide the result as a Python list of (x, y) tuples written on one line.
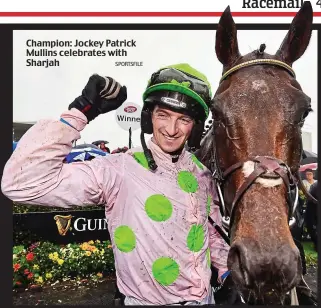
[(63, 227)]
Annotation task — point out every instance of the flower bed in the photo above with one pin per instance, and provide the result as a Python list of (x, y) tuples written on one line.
[(44, 262)]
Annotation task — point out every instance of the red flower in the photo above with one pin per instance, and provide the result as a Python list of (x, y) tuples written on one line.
[(18, 283), (16, 267), (30, 256), (26, 271), (30, 276)]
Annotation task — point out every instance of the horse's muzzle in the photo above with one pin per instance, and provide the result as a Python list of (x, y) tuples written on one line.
[(261, 271)]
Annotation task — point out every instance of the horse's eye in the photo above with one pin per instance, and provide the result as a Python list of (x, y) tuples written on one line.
[(306, 113)]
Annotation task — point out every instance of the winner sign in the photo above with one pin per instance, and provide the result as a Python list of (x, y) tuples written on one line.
[(128, 116)]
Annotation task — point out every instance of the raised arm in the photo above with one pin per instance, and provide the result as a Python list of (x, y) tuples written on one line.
[(36, 174)]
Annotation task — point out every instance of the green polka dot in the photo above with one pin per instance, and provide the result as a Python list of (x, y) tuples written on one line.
[(195, 238), (208, 204), (187, 181), (125, 238), (197, 162), (158, 208), (141, 159), (208, 257), (165, 271)]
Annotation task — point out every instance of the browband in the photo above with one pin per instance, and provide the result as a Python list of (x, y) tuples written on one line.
[(258, 61)]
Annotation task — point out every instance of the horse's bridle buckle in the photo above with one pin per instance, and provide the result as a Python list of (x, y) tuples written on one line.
[(269, 165)]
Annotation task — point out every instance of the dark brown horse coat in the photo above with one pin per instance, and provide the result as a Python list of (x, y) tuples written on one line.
[(259, 111)]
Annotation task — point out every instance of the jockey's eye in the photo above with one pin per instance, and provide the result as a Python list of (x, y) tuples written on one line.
[(186, 120), (161, 115)]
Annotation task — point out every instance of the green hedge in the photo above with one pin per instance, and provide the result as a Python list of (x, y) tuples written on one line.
[(311, 255)]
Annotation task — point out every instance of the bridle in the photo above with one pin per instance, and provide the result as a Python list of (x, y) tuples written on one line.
[(264, 166)]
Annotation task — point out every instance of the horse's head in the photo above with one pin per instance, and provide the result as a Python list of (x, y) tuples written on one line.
[(258, 113)]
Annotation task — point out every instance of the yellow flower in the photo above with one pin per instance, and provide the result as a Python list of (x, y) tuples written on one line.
[(109, 246), (84, 246), (36, 267), (48, 275), (55, 254), (98, 241), (99, 275), (95, 250), (91, 242), (60, 261), (51, 256), (88, 253), (102, 251), (39, 279)]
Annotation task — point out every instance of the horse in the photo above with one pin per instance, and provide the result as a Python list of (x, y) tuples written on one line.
[(253, 149)]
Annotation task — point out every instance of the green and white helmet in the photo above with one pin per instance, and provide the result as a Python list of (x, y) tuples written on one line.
[(181, 88)]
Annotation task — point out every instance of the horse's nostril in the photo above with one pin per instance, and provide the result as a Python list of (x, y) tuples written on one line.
[(260, 270)]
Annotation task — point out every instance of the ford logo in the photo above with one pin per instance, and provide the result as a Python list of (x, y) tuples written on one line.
[(130, 109)]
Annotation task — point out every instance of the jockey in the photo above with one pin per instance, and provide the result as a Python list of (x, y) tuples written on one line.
[(157, 197)]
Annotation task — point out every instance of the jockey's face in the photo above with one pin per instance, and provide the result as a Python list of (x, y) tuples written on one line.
[(170, 129)]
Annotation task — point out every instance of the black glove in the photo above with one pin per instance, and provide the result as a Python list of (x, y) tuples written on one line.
[(100, 95)]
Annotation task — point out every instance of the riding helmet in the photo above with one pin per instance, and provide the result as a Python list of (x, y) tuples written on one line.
[(180, 88)]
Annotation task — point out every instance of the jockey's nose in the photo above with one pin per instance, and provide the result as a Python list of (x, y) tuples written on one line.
[(254, 267)]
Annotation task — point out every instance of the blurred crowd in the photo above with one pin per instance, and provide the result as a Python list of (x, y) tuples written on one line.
[(308, 208), (103, 146)]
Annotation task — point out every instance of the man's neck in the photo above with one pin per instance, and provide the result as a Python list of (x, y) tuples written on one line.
[(174, 154), (311, 181)]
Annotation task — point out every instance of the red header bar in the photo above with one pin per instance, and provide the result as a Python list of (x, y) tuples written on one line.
[(149, 14)]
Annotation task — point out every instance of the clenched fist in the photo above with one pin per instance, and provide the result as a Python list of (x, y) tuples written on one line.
[(100, 95)]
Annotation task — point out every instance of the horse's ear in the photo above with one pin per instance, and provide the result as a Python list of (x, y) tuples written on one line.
[(226, 46), (297, 39)]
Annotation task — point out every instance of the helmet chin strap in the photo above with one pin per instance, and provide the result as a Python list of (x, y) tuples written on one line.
[(175, 155), (148, 153)]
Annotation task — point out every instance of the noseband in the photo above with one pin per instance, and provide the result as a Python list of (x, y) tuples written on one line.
[(264, 166)]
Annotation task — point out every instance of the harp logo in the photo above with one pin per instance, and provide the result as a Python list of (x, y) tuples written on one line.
[(63, 223), (80, 224)]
